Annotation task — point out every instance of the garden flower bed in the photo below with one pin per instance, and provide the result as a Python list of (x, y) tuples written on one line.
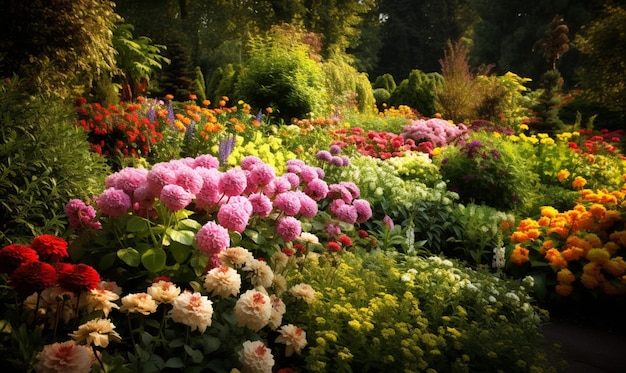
[(221, 241)]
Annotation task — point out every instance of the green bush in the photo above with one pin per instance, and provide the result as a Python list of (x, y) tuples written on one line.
[(281, 75), (45, 161), (417, 91)]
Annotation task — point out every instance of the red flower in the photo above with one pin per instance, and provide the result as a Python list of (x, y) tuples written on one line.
[(50, 248), (161, 278), (14, 255), (363, 233), (300, 247), (33, 277), (333, 246), (287, 251), (78, 278), (345, 240)]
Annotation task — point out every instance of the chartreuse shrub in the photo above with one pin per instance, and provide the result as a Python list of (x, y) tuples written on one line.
[(280, 74), (346, 85), (45, 161), (418, 91), (373, 313)]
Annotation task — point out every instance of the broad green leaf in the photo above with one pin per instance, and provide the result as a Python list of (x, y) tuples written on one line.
[(129, 256), (190, 223), (174, 363), (184, 237), (180, 252), (136, 224), (154, 260)]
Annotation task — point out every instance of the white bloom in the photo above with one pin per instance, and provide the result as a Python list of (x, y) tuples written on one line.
[(235, 257), (303, 291), (278, 310), (253, 310), (192, 309), (139, 303), (260, 273), (164, 291), (222, 281), (293, 337), (256, 357)]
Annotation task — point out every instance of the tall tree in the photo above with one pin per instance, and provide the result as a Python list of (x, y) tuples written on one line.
[(56, 43), (414, 34)]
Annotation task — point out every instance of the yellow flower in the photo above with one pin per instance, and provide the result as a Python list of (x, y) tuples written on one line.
[(562, 175), (565, 276), (598, 255), (579, 182), (523, 127)]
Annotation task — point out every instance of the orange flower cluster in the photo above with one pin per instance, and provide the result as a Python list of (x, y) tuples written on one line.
[(592, 234)]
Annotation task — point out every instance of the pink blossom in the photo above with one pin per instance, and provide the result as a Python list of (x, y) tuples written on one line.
[(295, 165), (206, 161), (233, 182), (308, 206), (317, 189), (160, 175), (347, 213), (208, 195), (339, 191), (189, 179), (113, 202), (127, 179), (308, 174), (234, 214), (212, 238), (261, 174), (261, 204), (288, 202), (64, 357), (294, 180), (175, 197), (363, 210), (289, 228), (81, 215), (249, 161), (278, 185)]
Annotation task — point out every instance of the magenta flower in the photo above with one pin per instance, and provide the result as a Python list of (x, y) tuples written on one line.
[(212, 238), (127, 179), (81, 215), (249, 161), (261, 174), (234, 214), (209, 195), (189, 179), (317, 189), (233, 182), (388, 222), (363, 210), (308, 174), (206, 161), (289, 228), (308, 206), (175, 197), (113, 202), (324, 156), (276, 186), (347, 213), (288, 202), (261, 204), (339, 191), (159, 176), (294, 180)]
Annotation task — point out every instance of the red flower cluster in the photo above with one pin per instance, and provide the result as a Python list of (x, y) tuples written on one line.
[(119, 129), (35, 267), (593, 143), (381, 145)]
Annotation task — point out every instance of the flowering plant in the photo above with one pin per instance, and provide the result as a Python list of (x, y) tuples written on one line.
[(381, 145)]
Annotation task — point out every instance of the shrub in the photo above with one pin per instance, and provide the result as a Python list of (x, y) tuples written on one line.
[(417, 91), (45, 161)]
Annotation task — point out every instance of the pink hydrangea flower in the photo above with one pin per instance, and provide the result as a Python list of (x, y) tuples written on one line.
[(234, 214), (189, 179), (308, 206), (113, 202), (208, 195), (288, 202), (206, 161), (81, 215), (261, 174), (276, 186), (233, 182), (289, 228), (261, 204), (159, 176), (317, 189), (293, 179), (175, 197), (347, 213), (363, 210), (212, 238), (249, 161), (308, 174), (127, 179)]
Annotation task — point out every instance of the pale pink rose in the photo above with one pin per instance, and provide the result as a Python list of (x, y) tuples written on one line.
[(235, 257), (97, 332), (303, 291), (164, 291), (278, 310), (65, 357), (253, 310), (259, 273), (101, 299), (194, 310), (293, 337), (139, 303), (256, 357), (222, 281)]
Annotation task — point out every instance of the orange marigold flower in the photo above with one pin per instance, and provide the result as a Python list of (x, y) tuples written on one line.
[(611, 247), (206, 102), (564, 290), (556, 259), (559, 230), (597, 210), (193, 97), (573, 253), (565, 276), (519, 255), (579, 182), (169, 97), (593, 240), (269, 110), (527, 224), (544, 221), (562, 175), (615, 267), (619, 237), (533, 233), (592, 269), (589, 281), (519, 237), (610, 289), (585, 223), (598, 255)]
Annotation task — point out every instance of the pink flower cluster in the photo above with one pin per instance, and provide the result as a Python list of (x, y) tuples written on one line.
[(234, 197), (432, 133), (381, 145)]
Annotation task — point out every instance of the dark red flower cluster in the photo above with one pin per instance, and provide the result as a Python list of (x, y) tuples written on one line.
[(78, 278), (14, 255), (381, 145), (32, 277), (119, 129), (592, 142), (50, 248)]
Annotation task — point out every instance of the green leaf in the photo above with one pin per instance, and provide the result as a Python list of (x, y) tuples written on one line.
[(184, 237), (154, 260), (136, 224), (180, 252), (174, 362), (190, 223), (196, 355), (129, 256)]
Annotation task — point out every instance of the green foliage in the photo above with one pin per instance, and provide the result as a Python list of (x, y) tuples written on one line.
[(487, 169), (417, 91), (546, 109), (222, 82), (200, 85), (385, 81), (375, 313), (45, 162), (343, 82), (279, 74), (601, 73), (58, 45)]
